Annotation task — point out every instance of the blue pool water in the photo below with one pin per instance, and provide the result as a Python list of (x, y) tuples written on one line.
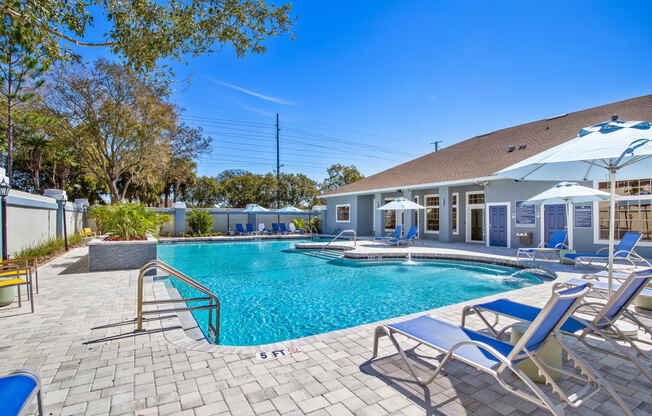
[(271, 292)]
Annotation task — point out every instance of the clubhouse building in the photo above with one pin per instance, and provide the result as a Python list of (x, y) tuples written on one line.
[(466, 202)]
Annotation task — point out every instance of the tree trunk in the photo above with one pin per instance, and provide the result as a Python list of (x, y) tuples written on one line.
[(36, 156), (113, 189), (167, 197)]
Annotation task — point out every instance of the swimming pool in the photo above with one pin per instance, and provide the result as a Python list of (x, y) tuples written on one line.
[(271, 292)]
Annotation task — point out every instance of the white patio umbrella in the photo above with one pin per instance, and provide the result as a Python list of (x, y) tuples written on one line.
[(569, 193), (619, 147), (400, 204), (254, 208), (288, 209)]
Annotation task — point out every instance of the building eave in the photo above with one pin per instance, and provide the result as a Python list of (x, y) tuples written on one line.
[(472, 181)]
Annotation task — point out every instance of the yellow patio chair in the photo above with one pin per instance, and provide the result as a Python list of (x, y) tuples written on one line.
[(30, 264), (89, 232), (18, 275)]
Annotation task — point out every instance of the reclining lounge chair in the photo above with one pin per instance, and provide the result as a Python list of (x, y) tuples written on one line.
[(602, 325), (495, 357), (624, 251), (555, 244)]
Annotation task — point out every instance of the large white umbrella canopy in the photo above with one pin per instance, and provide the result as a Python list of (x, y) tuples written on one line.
[(290, 209), (612, 147), (254, 208), (400, 204), (569, 193)]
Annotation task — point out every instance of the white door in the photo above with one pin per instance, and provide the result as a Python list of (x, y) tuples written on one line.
[(475, 217)]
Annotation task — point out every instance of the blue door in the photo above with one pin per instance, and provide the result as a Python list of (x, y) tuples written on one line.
[(554, 218), (498, 225)]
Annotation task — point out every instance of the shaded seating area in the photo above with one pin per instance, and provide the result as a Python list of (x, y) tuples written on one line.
[(395, 235), (411, 236), (495, 357), (624, 251), (556, 243)]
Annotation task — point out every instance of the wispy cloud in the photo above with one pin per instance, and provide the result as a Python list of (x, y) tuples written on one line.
[(257, 111), (252, 93)]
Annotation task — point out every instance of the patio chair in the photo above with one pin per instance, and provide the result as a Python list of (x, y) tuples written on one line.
[(18, 274), (284, 229), (89, 232), (410, 237), (239, 229), (30, 263), (275, 228), (623, 251), (602, 325), (555, 244), (17, 390), (395, 236), (495, 357), (262, 229), (250, 229), (293, 228)]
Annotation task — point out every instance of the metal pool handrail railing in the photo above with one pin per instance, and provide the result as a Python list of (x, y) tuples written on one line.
[(213, 301), (355, 238)]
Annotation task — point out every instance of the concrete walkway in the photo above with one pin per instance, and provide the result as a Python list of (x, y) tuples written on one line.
[(111, 371)]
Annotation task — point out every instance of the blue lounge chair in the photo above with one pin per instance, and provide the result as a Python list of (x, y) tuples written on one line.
[(623, 251), (555, 244), (251, 229), (494, 357), (275, 228), (17, 390), (240, 229), (284, 229), (602, 325), (396, 235), (411, 236)]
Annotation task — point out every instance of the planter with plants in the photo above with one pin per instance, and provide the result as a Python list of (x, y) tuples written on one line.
[(129, 236)]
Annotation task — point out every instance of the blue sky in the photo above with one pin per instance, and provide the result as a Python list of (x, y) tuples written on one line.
[(386, 78)]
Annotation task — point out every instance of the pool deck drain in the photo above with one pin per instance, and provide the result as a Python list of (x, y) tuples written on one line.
[(169, 373)]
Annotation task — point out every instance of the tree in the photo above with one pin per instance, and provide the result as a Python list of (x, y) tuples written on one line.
[(297, 189), (144, 32), (206, 192), (20, 69), (340, 175), (123, 123)]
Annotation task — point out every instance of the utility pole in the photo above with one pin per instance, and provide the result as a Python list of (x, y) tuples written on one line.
[(436, 143), (278, 170)]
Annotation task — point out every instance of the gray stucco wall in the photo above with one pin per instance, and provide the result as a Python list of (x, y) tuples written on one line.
[(332, 226), (365, 215)]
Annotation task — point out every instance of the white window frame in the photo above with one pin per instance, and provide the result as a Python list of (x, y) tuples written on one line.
[(425, 219), (336, 213), (468, 209), (488, 206), (596, 218), (456, 231)]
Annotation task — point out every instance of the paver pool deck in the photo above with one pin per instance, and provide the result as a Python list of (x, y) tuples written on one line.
[(110, 371)]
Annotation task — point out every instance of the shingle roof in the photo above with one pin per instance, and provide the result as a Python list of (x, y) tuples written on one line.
[(481, 156)]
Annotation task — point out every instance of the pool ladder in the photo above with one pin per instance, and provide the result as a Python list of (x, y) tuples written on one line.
[(213, 301)]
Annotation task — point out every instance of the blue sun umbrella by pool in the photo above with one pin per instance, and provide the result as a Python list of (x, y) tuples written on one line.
[(599, 152), (569, 193)]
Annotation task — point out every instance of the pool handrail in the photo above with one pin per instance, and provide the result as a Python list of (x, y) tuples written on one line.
[(213, 301), (355, 238)]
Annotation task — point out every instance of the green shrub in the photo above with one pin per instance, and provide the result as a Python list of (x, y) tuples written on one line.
[(49, 247), (199, 221), (128, 221), (300, 224), (315, 225)]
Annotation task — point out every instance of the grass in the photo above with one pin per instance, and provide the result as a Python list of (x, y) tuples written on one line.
[(50, 247)]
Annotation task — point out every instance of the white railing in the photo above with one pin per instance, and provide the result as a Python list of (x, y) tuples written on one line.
[(355, 238)]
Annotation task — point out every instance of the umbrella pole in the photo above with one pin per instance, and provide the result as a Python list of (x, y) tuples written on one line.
[(569, 224), (228, 225), (612, 224)]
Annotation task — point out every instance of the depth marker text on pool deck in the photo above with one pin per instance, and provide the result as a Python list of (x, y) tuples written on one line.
[(271, 355)]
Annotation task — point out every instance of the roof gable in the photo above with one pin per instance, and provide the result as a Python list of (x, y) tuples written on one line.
[(483, 155)]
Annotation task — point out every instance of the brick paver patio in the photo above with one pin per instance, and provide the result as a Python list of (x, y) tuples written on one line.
[(109, 371)]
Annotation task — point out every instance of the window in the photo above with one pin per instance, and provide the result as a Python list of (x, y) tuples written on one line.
[(343, 213), (390, 217), (455, 213), (633, 209), (432, 213), (475, 199)]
